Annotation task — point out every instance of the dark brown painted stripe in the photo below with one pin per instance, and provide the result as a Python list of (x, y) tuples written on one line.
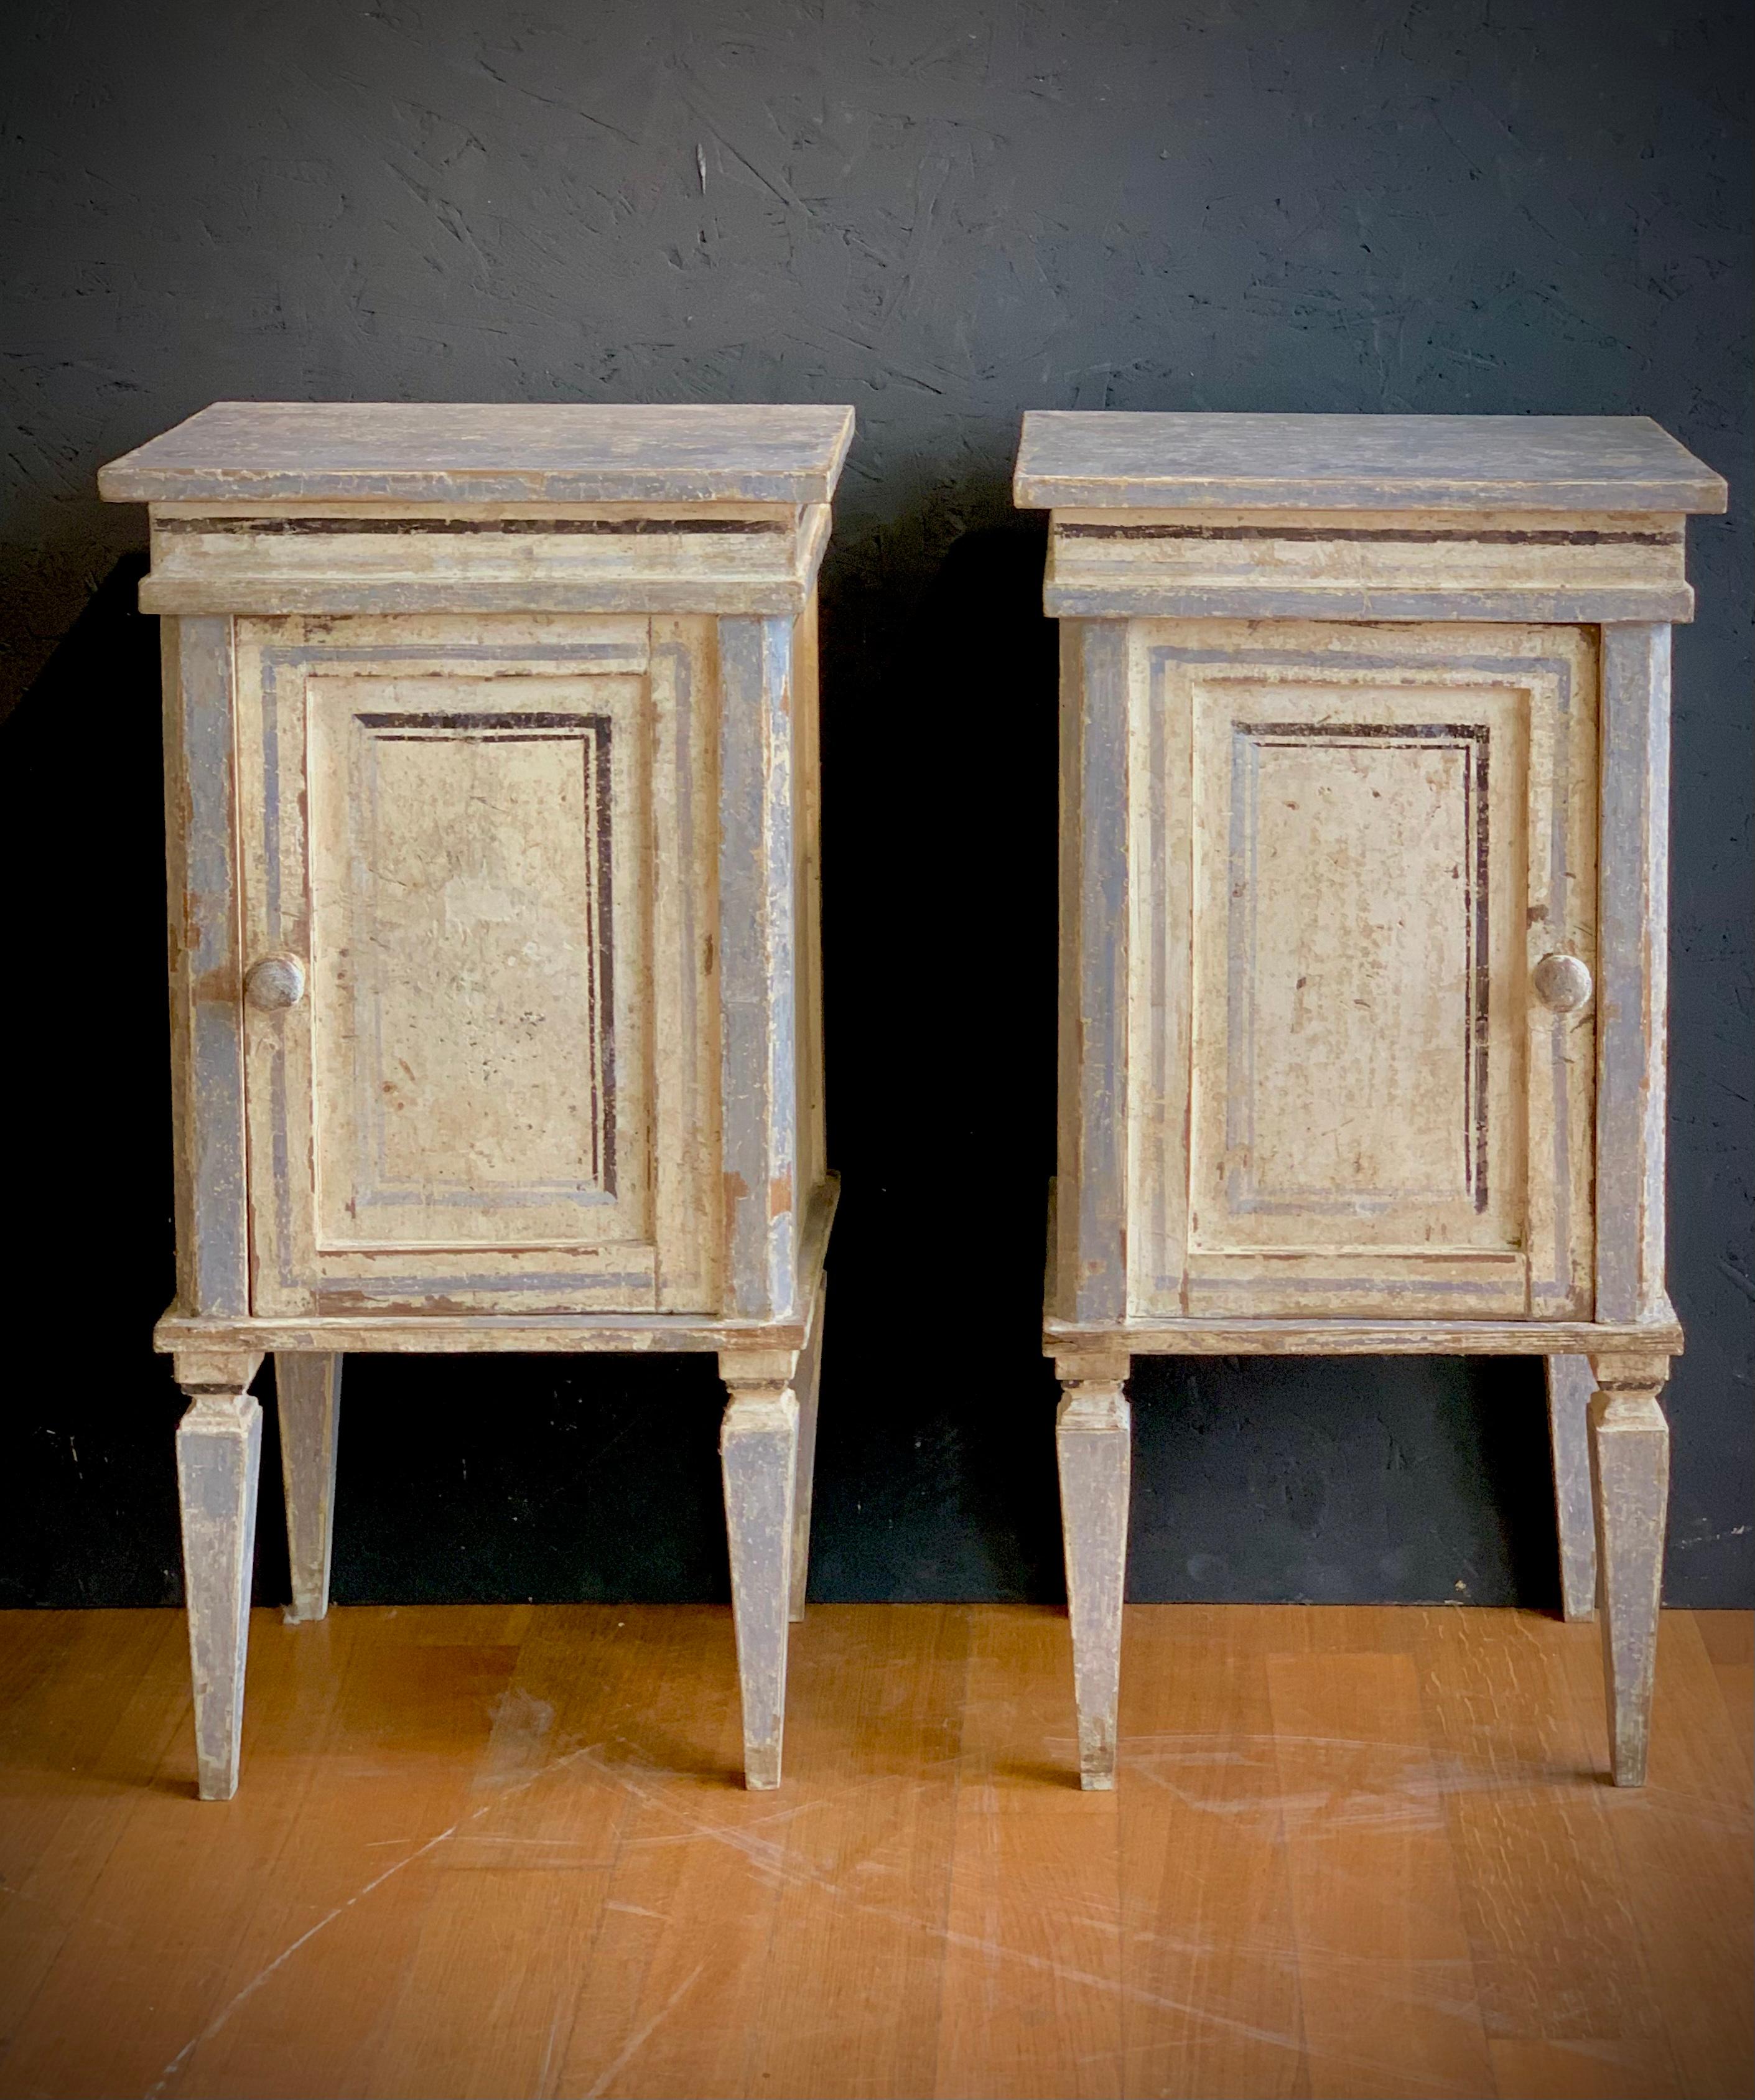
[(1319, 532), (578, 724), (316, 527)]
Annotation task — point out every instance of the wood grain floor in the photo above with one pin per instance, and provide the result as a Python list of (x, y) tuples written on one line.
[(497, 1852)]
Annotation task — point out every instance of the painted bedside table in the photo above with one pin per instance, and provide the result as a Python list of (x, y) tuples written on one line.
[(491, 787), (1365, 797)]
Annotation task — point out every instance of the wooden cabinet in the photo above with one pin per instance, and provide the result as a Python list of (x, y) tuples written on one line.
[(1364, 806), (492, 816)]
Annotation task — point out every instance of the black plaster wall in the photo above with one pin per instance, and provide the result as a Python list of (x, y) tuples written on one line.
[(944, 215)]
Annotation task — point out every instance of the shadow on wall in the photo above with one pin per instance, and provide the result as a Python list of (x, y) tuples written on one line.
[(506, 1478)]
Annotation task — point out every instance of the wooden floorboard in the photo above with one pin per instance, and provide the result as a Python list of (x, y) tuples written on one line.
[(482, 1852)]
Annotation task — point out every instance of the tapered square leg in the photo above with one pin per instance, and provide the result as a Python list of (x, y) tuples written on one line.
[(1629, 1468), (1570, 1385), (805, 1384), (310, 1395), (758, 1450), (219, 1462), (1093, 1443)]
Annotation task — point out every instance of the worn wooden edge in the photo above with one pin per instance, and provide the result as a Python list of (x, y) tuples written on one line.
[(1162, 601), (757, 952), (811, 542), (781, 595), (1703, 496), (122, 481), (1571, 1383), (684, 1014), (1366, 1338), (362, 510), (1633, 961), (1109, 459), (584, 1334), (199, 664), (1093, 1014), (136, 478)]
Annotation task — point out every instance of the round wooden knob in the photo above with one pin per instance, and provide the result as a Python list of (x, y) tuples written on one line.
[(275, 982), (1563, 983)]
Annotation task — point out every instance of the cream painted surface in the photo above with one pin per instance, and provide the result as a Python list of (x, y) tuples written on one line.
[(455, 825), (1361, 841), (1436, 554), (478, 883), (360, 558), (1357, 1014)]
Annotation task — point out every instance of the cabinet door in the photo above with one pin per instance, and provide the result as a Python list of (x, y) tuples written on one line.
[(1365, 839), (465, 833)]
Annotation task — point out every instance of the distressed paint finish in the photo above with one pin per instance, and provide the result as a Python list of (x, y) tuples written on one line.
[(1093, 1446), (1358, 911), (449, 821), (1206, 463), (436, 1333), (296, 453), (806, 1382), (1570, 1385), (757, 967), (1362, 844), (1629, 1476), (1330, 1337), (491, 748), (477, 855), (683, 667), (308, 1391), (207, 1048), (807, 859), (1393, 950), (596, 1334), (1091, 1258), (758, 1450), (1633, 971), (505, 557), (218, 1464), (1530, 566)]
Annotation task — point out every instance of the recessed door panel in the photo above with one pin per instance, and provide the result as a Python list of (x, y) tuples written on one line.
[(451, 827), (1357, 1004), (468, 843), (1376, 834)]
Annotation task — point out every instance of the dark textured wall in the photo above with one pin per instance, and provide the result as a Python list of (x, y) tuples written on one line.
[(944, 215)]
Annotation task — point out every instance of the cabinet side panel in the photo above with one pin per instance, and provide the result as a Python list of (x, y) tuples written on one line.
[(1633, 951), (813, 1148), (757, 963), (207, 1052), (1090, 1264), (1162, 935), (685, 982)]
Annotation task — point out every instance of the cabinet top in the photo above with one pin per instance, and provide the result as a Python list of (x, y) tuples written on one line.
[(1116, 458), (502, 452)]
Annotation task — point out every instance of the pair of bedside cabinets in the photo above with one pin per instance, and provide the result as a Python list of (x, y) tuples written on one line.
[(492, 803)]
